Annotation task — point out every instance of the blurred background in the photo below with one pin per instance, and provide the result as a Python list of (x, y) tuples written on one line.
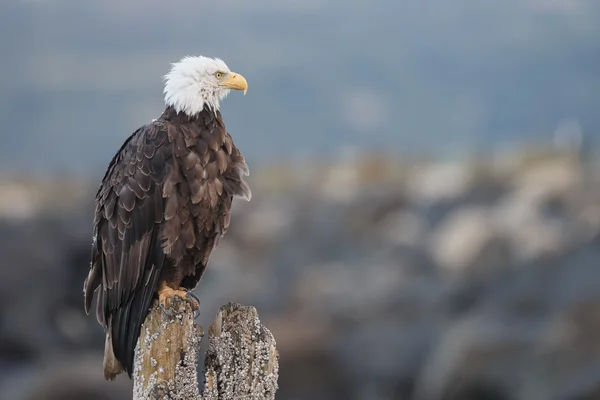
[(426, 214)]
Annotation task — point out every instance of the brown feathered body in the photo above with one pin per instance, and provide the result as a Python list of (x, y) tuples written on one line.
[(162, 206)]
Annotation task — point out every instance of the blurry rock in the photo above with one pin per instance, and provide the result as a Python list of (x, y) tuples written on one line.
[(23, 199), (325, 284), (341, 183), (530, 337), (267, 222), (439, 182), (354, 291), (478, 358), (558, 177), (567, 355), (372, 215), (535, 217), (468, 238), (404, 228), (18, 202), (536, 238), (32, 282), (72, 324), (588, 223), (384, 354)]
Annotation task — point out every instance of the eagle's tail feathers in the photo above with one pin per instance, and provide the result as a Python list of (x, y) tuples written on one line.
[(112, 366)]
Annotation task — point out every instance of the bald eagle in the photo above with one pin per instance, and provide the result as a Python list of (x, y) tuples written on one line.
[(163, 205)]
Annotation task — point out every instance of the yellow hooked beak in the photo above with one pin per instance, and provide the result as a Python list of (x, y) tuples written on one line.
[(235, 81)]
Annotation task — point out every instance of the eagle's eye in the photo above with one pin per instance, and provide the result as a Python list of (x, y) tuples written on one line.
[(219, 75)]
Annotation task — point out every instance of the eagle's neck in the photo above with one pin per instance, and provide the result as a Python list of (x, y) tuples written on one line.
[(170, 114)]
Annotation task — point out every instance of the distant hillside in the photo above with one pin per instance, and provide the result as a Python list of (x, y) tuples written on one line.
[(78, 77)]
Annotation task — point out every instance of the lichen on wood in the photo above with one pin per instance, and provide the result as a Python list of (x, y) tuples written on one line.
[(241, 361)]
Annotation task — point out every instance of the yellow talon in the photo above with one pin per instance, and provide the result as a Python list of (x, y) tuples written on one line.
[(165, 292)]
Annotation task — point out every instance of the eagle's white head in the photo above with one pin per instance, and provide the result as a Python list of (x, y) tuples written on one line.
[(197, 82)]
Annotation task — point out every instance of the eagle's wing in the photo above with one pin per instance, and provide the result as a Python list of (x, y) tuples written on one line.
[(126, 254)]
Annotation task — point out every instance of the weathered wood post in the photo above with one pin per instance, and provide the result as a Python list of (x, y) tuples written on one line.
[(241, 362)]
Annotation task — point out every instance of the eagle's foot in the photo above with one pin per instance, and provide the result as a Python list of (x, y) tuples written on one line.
[(192, 298), (166, 296)]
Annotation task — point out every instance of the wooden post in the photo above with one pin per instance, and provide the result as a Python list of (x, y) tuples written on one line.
[(241, 362)]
